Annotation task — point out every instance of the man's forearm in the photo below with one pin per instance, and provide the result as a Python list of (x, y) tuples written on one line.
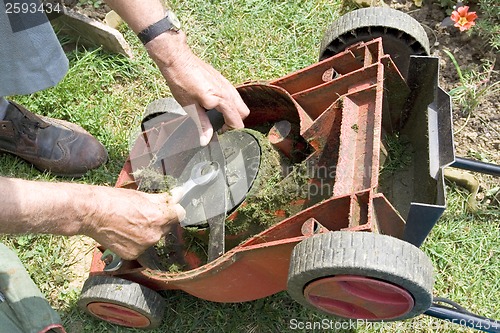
[(139, 14), (42, 207), (192, 81), (125, 221)]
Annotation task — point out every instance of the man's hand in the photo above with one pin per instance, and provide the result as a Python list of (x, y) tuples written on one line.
[(124, 221), (210, 90), (195, 83), (128, 222), (192, 81)]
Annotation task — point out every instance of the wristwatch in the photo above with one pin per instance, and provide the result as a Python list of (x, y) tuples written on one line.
[(169, 23)]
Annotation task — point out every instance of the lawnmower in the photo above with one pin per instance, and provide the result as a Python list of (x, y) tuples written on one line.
[(328, 192)]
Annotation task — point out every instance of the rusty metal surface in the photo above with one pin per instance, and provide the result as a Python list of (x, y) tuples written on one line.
[(342, 106)]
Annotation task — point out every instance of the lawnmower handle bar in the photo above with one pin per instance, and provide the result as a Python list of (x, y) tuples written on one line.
[(476, 166), (462, 317)]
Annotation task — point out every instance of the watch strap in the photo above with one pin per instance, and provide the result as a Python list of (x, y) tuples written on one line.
[(156, 29)]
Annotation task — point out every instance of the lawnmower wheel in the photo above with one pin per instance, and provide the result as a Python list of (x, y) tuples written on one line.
[(122, 302), (401, 34), (361, 275)]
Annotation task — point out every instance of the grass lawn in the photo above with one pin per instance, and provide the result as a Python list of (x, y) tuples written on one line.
[(245, 40)]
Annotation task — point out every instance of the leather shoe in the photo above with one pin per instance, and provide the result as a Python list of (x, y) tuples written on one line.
[(58, 146)]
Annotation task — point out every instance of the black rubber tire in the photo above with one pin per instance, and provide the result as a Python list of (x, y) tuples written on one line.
[(362, 254), (131, 295), (401, 34)]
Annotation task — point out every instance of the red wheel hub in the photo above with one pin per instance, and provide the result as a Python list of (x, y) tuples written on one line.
[(118, 314), (358, 297)]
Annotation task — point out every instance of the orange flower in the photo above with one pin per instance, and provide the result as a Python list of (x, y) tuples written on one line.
[(463, 19)]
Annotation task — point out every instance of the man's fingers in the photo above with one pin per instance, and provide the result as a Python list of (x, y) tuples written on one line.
[(228, 102), (206, 130), (179, 211), (176, 195), (198, 115), (232, 116), (236, 113), (171, 200), (241, 107)]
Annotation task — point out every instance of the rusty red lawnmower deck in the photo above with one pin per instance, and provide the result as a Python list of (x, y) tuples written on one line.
[(346, 247), (346, 136)]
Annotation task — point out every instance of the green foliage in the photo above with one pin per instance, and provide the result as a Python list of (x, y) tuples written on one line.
[(93, 3), (474, 86), (48, 260), (488, 23), (447, 5), (255, 39), (399, 155), (464, 241)]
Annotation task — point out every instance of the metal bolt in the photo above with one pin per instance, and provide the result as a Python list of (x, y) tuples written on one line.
[(107, 259), (232, 178), (228, 152)]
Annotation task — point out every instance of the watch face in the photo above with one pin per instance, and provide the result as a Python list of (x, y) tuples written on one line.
[(174, 20)]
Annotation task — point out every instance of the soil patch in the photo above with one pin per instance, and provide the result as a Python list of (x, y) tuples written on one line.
[(96, 9), (477, 134)]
